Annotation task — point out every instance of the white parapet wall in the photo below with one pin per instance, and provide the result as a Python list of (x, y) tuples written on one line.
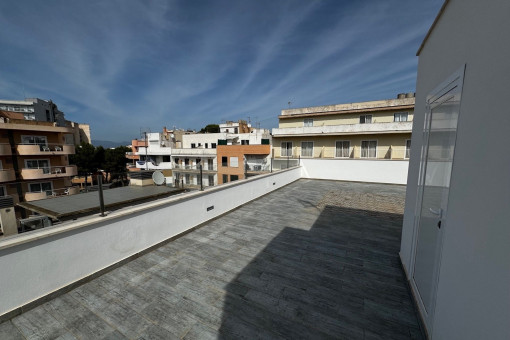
[(35, 264), (357, 170)]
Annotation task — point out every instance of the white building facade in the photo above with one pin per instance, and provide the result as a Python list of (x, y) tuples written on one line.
[(456, 229)]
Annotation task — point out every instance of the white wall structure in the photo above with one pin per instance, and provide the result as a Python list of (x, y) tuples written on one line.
[(357, 170), (472, 298), (35, 264)]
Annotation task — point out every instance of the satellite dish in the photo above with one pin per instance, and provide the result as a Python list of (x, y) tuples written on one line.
[(158, 178)]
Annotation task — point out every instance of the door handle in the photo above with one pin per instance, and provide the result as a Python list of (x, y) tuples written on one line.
[(438, 212)]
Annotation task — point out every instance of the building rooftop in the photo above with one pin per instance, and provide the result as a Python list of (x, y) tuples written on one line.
[(370, 106), (65, 207), (315, 259)]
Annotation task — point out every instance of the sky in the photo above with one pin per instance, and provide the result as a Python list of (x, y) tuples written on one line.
[(127, 66)]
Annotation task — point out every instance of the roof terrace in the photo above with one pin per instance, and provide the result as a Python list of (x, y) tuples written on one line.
[(314, 259)]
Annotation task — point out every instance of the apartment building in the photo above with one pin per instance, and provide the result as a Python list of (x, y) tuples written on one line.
[(201, 152), (366, 130), (45, 111), (196, 154), (34, 158), (134, 155)]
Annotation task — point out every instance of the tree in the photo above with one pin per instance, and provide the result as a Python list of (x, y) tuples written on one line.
[(115, 162), (210, 128), (84, 160)]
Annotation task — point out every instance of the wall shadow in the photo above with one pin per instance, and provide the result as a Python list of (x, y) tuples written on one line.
[(340, 279)]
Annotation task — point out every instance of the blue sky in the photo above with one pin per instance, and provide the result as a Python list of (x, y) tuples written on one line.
[(125, 65)]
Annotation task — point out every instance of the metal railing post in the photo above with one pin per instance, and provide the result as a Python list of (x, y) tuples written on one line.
[(201, 179), (101, 199)]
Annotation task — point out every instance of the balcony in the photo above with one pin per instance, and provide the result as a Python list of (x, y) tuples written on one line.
[(35, 196), (194, 168), (347, 129), (49, 172), (5, 149), (49, 149), (7, 175), (313, 265), (194, 152)]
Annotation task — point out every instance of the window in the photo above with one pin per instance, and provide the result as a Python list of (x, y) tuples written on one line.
[(265, 141), (308, 122), (3, 192), (342, 148), (193, 145), (40, 140), (211, 180), (408, 149), (368, 149), (365, 119), (41, 187), (225, 178), (38, 164), (234, 162), (245, 142), (234, 178), (188, 179), (400, 117), (166, 158), (213, 145), (306, 149), (224, 161), (222, 142), (47, 115), (206, 145), (286, 150), (210, 165)]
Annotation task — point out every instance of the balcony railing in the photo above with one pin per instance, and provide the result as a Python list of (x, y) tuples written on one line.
[(49, 172), (194, 152), (7, 175), (45, 149), (354, 152), (40, 195), (257, 167), (344, 129), (205, 167)]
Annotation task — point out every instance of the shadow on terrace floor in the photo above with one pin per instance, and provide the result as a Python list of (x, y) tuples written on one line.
[(340, 279)]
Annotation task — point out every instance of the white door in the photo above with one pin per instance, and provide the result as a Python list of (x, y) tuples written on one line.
[(440, 130)]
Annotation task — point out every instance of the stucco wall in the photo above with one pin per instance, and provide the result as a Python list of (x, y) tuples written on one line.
[(35, 264), (358, 170), (473, 295)]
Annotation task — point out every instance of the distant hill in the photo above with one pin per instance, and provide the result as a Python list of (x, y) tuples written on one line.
[(109, 144)]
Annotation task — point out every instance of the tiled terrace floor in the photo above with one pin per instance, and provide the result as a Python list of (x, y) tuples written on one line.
[(316, 259)]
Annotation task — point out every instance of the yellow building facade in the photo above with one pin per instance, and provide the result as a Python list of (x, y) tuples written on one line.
[(373, 130)]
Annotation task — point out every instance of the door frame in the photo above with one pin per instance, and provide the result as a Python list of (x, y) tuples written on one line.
[(456, 80)]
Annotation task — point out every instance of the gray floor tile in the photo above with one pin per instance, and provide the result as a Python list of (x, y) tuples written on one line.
[(315, 259)]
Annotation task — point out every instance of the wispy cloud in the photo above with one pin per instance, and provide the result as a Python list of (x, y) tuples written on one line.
[(120, 65)]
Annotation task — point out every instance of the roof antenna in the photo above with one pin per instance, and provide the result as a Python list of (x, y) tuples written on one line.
[(289, 104)]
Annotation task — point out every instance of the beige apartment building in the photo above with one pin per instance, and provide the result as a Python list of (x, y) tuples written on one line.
[(367, 130), (34, 158)]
